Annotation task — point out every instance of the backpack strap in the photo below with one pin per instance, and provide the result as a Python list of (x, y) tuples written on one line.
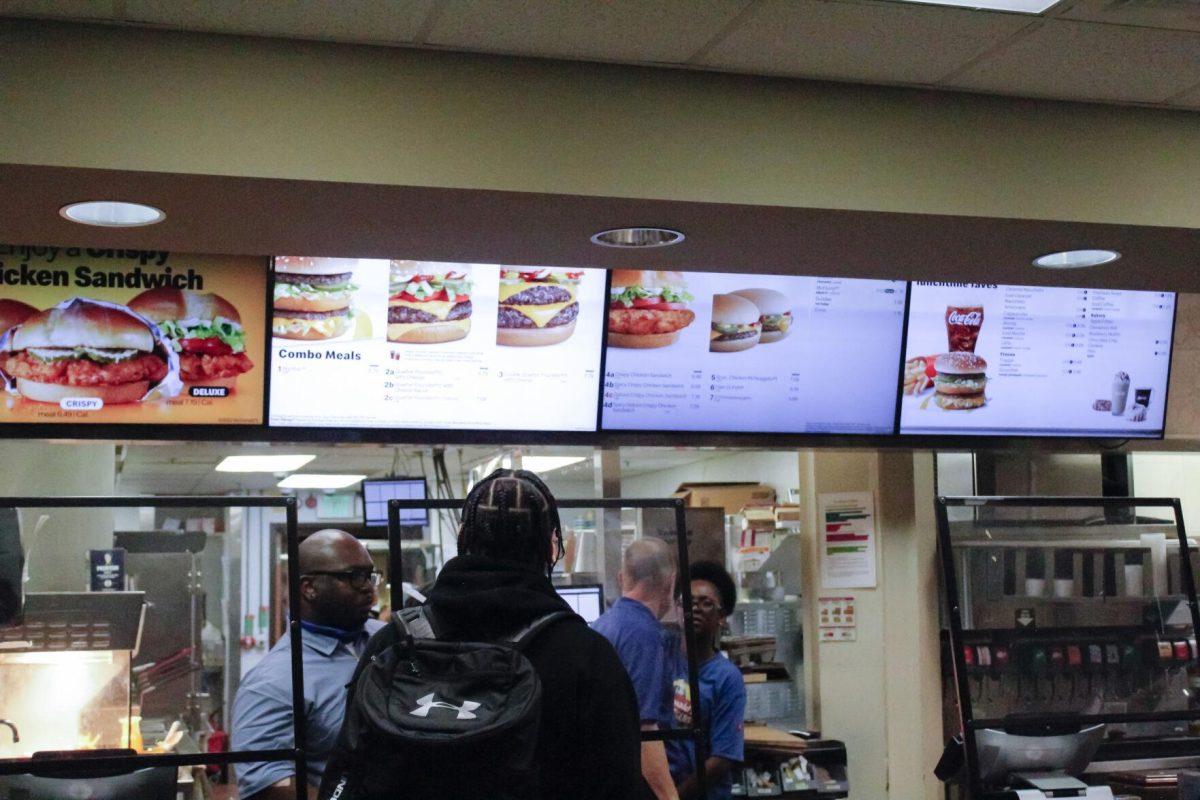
[(521, 639), (415, 622)]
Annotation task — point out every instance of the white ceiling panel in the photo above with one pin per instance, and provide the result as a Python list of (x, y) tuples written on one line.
[(390, 22), (871, 42), (1180, 15), (643, 31), (1089, 61)]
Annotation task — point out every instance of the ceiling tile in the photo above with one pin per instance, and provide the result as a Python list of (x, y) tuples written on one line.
[(394, 21), (859, 41), (644, 31), (1180, 15), (1089, 61)]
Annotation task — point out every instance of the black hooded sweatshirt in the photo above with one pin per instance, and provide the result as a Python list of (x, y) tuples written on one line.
[(589, 742)]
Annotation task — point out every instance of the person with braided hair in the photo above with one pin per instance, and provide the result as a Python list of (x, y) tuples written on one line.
[(510, 539)]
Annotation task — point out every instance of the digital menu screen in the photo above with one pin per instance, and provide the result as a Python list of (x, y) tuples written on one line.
[(1036, 361), (130, 336), (373, 343), (752, 353)]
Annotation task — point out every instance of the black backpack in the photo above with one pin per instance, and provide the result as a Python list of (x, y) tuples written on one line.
[(430, 719)]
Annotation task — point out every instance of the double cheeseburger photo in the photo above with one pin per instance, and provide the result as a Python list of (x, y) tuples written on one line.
[(312, 297), (647, 308), (205, 330), (427, 303), (537, 307), (82, 348), (960, 381)]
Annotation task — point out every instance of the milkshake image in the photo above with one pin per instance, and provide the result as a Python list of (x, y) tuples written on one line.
[(1120, 393)]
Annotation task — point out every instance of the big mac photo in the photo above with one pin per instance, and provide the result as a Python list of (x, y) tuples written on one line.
[(312, 297), (537, 306)]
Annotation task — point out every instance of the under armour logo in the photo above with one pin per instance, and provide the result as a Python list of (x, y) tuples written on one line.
[(430, 701)]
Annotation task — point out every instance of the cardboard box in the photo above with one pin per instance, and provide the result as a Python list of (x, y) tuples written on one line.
[(732, 497)]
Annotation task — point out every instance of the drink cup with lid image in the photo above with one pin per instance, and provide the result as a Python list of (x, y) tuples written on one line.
[(963, 323)]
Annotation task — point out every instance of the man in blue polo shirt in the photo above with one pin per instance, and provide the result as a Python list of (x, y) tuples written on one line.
[(647, 581), (722, 691), (337, 590)]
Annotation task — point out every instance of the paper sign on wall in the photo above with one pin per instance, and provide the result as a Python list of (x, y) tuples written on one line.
[(847, 540), (836, 620)]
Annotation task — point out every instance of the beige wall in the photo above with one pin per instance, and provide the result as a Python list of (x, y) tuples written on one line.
[(146, 100)]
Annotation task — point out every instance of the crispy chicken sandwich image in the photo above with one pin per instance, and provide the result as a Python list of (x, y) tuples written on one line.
[(82, 348), (735, 324), (312, 297), (204, 329), (428, 303), (537, 306), (775, 312), (14, 312), (960, 381), (647, 308)]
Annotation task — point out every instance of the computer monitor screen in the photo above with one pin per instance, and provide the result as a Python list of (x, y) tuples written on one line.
[(377, 493), (587, 601)]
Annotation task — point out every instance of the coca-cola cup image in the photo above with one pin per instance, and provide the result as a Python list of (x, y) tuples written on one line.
[(962, 327)]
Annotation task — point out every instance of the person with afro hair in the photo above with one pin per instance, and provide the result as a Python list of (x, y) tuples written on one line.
[(722, 691)]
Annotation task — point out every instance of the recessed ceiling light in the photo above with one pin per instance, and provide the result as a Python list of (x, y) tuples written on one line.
[(1019, 6), (637, 237), (263, 463), (543, 464), (112, 213), (1076, 259), (318, 480)]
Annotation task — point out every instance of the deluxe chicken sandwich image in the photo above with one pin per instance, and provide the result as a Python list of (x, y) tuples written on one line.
[(960, 381), (82, 348), (735, 324), (537, 307), (312, 297), (427, 306), (775, 312), (14, 312), (204, 329), (647, 308)]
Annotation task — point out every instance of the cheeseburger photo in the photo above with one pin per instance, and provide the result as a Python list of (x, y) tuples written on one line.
[(735, 324), (204, 329), (312, 297), (537, 307), (14, 312), (427, 305), (85, 349), (960, 381), (647, 308), (775, 312)]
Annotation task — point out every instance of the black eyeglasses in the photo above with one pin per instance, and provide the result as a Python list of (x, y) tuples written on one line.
[(357, 578)]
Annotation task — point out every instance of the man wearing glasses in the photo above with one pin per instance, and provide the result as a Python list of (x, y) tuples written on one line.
[(337, 591)]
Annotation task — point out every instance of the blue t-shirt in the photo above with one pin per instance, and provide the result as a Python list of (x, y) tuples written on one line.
[(722, 708), (646, 651)]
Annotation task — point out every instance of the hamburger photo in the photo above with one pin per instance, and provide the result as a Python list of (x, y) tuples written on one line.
[(960, 381), (82, 348), (312, 297), (205, 330), (735, 324), (537, 307), (427, 305), (775, 312), (647, 308), (14, 312)]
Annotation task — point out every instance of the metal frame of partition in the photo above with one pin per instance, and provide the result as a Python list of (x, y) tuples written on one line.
[(967, 721), (696, 732), (60, 767)]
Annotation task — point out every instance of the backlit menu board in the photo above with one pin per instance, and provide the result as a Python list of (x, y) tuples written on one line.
[(1036, 361), (130, 337), (372, 343), (752, 353)]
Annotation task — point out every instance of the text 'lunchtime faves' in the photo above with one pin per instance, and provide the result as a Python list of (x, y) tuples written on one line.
[(206, 332), (313, 297), (647, 308), (537, 307), (428, 303)]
